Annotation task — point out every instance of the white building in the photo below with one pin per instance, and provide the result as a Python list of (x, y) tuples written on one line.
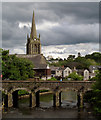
[(86, 75), (66, 72)]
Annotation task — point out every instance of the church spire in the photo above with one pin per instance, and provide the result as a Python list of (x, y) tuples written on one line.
[(33, 42), (33, 29)]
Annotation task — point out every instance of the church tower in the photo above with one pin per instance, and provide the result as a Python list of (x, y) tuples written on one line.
[(33, 42)]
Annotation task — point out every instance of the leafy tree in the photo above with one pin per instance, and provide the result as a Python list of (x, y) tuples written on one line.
[(94, 97), (97, 93), (95, 56), (15, 68), (85, 63), (71, 57), (75, 76)]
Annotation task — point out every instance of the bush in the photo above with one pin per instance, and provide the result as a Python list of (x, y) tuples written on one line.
[(52, 79)]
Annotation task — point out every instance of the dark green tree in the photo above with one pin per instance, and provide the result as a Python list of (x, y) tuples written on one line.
[(15, 68)]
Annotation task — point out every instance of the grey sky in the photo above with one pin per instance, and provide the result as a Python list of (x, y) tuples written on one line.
[(76, 22), (59, 23)]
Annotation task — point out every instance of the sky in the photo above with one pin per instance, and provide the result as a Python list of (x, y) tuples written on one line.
[(65, 27)]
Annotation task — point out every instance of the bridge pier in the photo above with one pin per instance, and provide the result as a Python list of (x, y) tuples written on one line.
[(10, 100), (37, 99), (32, 99), (15, 99), (80, 103), (57, 99), (5, 100)]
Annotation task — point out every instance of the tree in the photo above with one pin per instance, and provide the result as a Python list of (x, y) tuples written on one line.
[(95, 98), (15, 68), (85, 63), (71, 57), (75, 76), (95, 56)]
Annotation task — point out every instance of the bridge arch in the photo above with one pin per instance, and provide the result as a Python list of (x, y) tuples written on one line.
[(43, 88), (17, 89), (66, 89)]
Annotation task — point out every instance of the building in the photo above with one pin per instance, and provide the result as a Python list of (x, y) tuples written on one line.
[(60, 71), (93, 69), (86, 74), (53, 70), (33, 42), (66, 72), (33, 53)]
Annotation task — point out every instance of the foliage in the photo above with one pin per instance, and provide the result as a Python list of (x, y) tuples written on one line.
[(75, 76), (22, 92), (81, 62), (41, 91), (95, 56), (52, 79), (85, 63), (97, 85), (94, 97), (71, 57), (15, 68)]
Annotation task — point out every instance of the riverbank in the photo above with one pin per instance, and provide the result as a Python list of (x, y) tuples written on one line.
[(26, 96)]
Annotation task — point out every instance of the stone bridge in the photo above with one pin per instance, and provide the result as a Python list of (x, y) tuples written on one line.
[(11, 88)]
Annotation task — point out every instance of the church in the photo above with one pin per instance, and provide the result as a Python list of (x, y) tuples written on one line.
[(33, 42), (33, 53)]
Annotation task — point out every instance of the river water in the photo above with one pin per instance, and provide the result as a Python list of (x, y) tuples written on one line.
[(68, 108)]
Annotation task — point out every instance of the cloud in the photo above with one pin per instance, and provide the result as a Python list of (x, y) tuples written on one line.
[(61, 23), (63, 51), (46, 25), (17, 51), (23, 25)]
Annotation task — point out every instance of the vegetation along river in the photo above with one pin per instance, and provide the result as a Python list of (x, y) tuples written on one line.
[(68, 108)]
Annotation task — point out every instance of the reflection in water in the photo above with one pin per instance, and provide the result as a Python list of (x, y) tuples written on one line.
[(46, 100), (69, 98), (68, 109)]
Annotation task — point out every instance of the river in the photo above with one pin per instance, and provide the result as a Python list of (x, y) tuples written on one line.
[(68, 108)]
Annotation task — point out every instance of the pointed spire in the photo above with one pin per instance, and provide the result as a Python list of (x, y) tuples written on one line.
[(33, 29)]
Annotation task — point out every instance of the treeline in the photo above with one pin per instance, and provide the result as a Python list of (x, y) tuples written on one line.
[(14, 68), (80, 62)]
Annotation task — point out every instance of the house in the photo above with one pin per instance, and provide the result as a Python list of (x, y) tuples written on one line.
[(59, 72), (53, 70), (93, 69), (86, 74), (66, 72)]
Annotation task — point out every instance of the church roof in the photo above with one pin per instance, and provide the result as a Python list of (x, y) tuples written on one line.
[(39, 60)]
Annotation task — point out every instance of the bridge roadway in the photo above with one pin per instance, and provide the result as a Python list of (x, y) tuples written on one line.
[(11, 87)]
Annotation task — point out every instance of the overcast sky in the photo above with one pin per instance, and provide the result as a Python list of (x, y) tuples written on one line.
[(65, 28)]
